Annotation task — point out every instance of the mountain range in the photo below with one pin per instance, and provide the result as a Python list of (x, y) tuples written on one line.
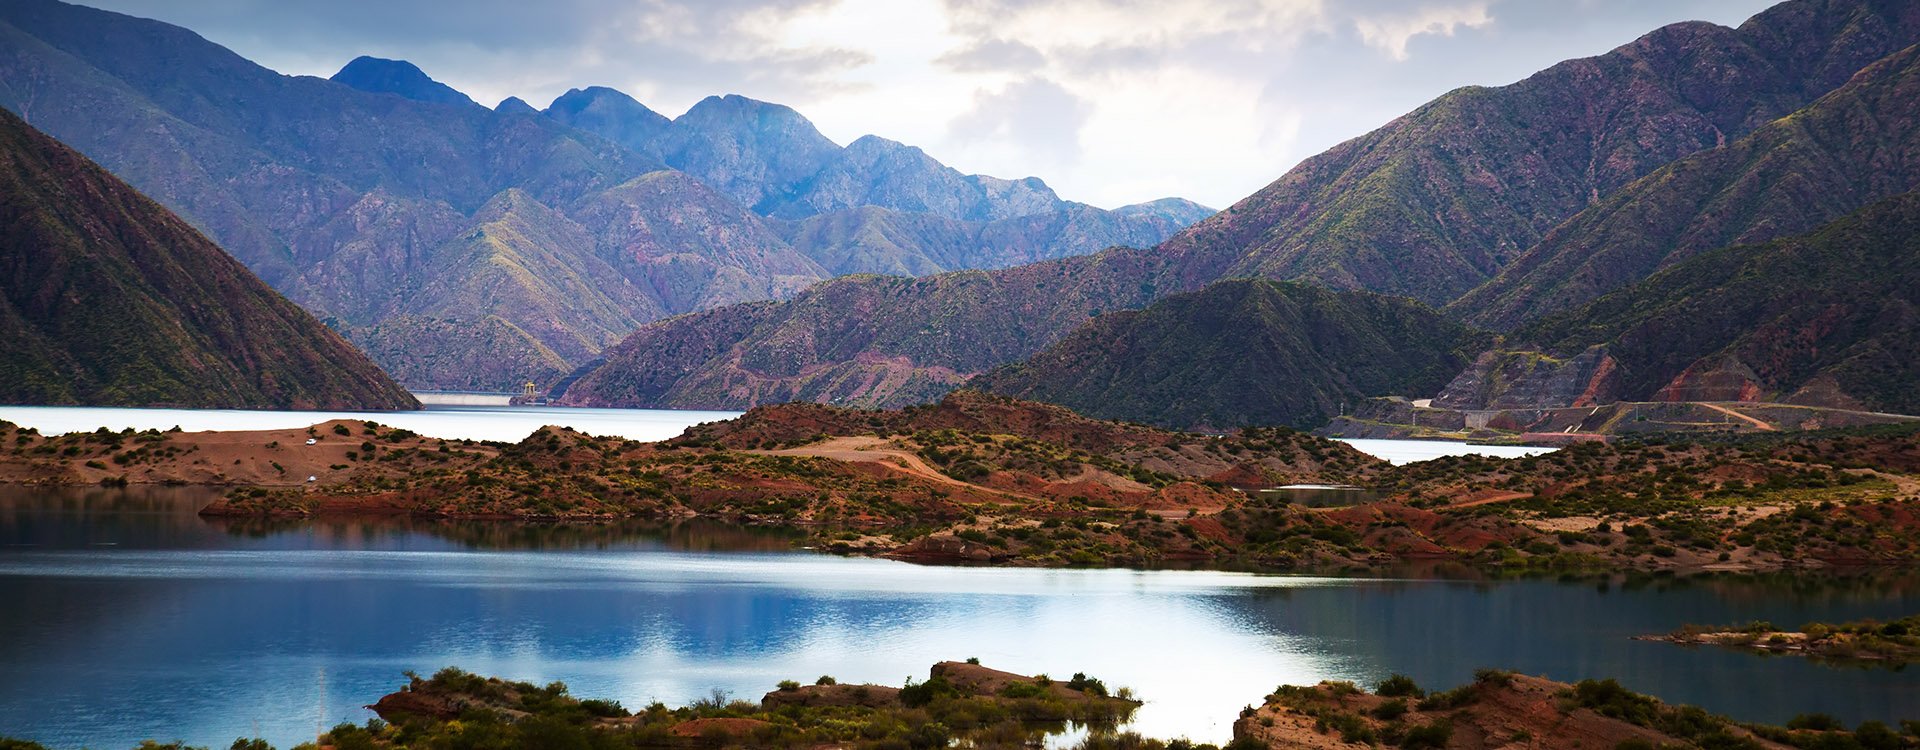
[(1705, 213), (1430, 206), (109, 299), (421, 224)]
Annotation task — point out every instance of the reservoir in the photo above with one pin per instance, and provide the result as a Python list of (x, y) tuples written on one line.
[(128, 617)]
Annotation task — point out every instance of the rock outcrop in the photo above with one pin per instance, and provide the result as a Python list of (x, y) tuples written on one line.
[(1494, 711), (1508, 379)]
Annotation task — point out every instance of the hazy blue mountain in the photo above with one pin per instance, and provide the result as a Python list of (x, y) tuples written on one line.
[(612, 115), (397, 77), (516, 106), (383, 194)]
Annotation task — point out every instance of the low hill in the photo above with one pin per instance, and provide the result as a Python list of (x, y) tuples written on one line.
[(1281, 453), (109, 299), (871, 341), (1243, 352), (1500, 708)]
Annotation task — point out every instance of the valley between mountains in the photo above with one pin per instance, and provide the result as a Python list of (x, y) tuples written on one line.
[(1705, 218)]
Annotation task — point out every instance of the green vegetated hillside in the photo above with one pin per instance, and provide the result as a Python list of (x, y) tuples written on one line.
[(1440, 200), (460, 355), (383, 194), (1856, 145), (1427, 206), (107, 298), (1830, 318), (1243, 352), (862, 340)]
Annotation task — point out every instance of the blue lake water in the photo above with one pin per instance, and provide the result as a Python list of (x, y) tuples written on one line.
[(124, 616)]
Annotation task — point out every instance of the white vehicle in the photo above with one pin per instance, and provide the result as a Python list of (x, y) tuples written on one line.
[(313, 441)]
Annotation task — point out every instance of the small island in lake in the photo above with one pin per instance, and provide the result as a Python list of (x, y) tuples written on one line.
[(1895, 643)]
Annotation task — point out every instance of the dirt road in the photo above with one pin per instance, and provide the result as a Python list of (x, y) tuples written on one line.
[(869, 449), (1759, 424)]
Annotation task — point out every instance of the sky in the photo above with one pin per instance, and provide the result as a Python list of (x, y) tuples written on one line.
[(1110, 101)]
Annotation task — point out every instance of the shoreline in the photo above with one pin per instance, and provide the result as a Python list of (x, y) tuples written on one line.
[(981, 479), (967, 704), (959, 558), (1890, 645)]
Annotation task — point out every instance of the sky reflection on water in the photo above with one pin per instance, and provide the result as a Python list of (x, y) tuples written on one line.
[(138, 620)]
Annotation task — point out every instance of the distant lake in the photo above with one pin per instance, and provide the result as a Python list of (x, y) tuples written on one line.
[(127, 617), (511, 423)]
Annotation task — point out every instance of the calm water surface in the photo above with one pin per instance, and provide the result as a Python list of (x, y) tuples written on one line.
[(124, 616), (512, 423)]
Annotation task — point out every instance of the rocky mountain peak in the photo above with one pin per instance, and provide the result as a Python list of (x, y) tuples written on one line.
[(515, 106), (1178, 210), (398, 77)]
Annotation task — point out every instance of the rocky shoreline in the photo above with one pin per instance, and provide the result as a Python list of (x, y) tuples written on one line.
[(1868, 642)]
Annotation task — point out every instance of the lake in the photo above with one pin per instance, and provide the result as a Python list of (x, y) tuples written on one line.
[(129, 617), (511, 423)]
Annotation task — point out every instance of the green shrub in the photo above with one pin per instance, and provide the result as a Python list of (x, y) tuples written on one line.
[(916, 695), (1081, 682), (1428, 736), (1815, 722), (1397, 686)]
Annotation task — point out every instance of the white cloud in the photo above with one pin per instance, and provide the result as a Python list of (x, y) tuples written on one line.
[(1109, 101), (1390, 33), (1036, 120)]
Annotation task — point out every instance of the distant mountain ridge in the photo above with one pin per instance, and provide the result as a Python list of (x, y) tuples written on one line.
[(383, 195), (107, 299), (1429, 206), (769, 158)]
